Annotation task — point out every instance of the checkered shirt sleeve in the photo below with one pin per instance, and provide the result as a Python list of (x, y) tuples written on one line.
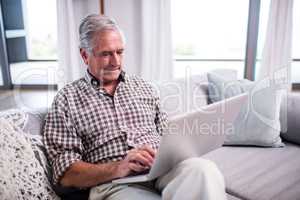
[(63, 145), (161, 118)]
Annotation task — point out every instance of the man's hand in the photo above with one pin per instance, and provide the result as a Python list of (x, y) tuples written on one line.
[(83, 174), (136, 160)]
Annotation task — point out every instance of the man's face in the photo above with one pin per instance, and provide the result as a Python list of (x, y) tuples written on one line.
[(106, 60)]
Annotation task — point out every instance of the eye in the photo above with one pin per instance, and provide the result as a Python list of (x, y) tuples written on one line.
[(105, 54), (120, 52)]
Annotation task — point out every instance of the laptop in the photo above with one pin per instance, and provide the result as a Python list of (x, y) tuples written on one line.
[(192, 135)]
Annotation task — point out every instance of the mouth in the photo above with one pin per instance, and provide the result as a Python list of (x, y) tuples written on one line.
[(115, 69), (112, 70)]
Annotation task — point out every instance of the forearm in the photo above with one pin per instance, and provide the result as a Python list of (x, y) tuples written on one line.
[(82, 174)]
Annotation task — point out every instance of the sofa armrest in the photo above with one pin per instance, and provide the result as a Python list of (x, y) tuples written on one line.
[(290, 118)]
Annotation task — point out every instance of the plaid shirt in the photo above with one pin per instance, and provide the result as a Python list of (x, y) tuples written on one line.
[(87, 124)]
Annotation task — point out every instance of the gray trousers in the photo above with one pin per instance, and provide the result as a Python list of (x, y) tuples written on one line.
[(192, 179)]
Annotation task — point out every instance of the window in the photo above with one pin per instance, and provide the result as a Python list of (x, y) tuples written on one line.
[(208, 35), (263, 21), (30, 50), (213, 34), (41, 35), (296, 43), (41, 31)]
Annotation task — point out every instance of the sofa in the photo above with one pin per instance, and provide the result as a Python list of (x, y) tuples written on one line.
[(250, 172)]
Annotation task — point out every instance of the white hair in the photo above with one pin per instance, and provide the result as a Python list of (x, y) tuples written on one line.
[(92, 24)]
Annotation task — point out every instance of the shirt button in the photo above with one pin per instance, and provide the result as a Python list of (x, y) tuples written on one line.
[(95, 82), (131, 143), (123, 128)]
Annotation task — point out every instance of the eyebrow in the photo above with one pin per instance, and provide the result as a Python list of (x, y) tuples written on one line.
[(106, 51)]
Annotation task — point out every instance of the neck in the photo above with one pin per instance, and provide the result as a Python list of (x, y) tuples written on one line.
[(110, 87)]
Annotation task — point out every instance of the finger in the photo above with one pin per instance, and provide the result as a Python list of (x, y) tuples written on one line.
[(144, 153), (132, 151), (147, 156), (149, 149), (136, 167), (139, 157)]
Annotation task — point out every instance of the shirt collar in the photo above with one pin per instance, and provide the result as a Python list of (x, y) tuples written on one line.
[(96, 82)]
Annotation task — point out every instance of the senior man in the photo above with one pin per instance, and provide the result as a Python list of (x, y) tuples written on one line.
[(108, 124)]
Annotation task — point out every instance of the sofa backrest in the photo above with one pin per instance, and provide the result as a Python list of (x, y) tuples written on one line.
[(183, 95), (188, 94), (290, 117)]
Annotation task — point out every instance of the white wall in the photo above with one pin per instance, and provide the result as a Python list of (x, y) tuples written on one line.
[(127, 15)]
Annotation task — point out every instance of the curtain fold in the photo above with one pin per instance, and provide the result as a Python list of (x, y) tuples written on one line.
[(277, 52), (156, 40), (69, 15), (276, 56)]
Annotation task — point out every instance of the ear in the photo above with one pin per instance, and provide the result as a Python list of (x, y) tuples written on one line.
[(85, 56)]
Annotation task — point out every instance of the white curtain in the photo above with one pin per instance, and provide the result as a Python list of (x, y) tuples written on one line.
[(156, 40), (147, 28), (69, 15), (276, 56)]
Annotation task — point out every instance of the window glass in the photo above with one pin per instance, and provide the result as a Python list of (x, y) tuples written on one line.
[(296, 72), (263, 21), (296, 42), (296, 30), (41, 29), (213, 30), (187, 68), (41, 42)]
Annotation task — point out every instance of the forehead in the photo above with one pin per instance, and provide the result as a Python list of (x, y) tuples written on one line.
[(108, 39)]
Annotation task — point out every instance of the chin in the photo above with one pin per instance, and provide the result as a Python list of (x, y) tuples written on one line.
[(112, 76)]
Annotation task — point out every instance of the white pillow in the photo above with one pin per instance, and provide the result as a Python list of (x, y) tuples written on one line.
[(21, 175), (15, 116), (258, 121)]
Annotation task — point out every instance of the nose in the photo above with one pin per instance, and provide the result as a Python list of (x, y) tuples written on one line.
[(115, 59)]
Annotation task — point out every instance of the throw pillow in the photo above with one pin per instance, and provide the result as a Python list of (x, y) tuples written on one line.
[(30, 123), (35, 122), (16, 116), (258, 121), (21, 175)]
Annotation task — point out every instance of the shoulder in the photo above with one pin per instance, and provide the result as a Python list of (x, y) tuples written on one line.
[(70, 90), (139, 83)]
